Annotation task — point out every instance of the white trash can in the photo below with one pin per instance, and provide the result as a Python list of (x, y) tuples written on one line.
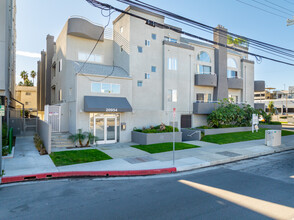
[(273, 138)]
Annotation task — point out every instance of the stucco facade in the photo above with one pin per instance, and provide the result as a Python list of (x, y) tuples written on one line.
[(154, 69), (26, 95)]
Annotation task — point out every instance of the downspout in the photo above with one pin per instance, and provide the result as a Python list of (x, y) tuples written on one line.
[(190, 85)]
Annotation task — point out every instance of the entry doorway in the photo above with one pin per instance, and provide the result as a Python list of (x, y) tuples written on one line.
[(105, 129)]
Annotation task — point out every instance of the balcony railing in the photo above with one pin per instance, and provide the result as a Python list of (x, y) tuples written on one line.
[(235, 83), (206, 80)]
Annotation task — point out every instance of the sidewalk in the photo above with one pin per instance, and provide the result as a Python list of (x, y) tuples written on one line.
[(131, 161)]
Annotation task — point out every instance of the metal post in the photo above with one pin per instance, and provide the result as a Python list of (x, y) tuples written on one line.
[(174, 113)]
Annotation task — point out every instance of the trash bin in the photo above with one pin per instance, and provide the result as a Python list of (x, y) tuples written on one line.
[(273, 138)]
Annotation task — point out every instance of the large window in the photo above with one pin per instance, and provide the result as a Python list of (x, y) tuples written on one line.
[(95, 58), (172, 95), (203, 97), (232, 68), (60, 65), (172, 64), (232, 63), (203, 57), (202, 69), (235, 98), (232, 74), (105, 88)]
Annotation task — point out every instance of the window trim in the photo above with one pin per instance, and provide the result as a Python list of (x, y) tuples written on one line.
[(110, 89), (139, 83), (153, 36), (140, 49), (147, 43)]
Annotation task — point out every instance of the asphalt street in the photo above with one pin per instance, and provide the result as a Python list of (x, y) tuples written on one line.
[(157, 197)]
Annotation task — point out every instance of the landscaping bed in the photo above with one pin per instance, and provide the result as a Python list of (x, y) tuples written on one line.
[(239, 136), (64, 158), (164, 147)]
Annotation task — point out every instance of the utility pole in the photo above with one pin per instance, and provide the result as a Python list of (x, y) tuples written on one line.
[(290, 21)]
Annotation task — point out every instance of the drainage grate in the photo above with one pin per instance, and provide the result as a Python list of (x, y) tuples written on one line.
[(134, 160), (228, 154)]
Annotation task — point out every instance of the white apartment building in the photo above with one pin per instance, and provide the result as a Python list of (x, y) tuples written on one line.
[(139, 76)]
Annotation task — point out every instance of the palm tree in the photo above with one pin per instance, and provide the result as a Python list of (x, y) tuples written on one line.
[(24, 75), (271, 107), (33, 75)]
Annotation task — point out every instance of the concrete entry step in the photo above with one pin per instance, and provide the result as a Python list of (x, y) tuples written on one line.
[(60, 139)]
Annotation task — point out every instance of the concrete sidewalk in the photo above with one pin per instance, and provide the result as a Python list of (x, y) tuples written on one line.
[(27, 160)]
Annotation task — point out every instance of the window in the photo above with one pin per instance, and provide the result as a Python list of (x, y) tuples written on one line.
[(235, 98), (201, 69), (121, 48), (121, 29), (27, 103), (105, 88), (203, 57), (60, 65), (28, 93), (170, 39), (60, 94), (200, 97), (97, 58), (147, 75), (232, 74), (172, 95), (147, 43), (139, 83), (140, 49), (153, 36), (231, 63), (96, 87), (209, 98), (153, 69), (172, 64)]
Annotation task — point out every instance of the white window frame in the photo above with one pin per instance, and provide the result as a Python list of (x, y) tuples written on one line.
[(110, 88), (153, 36), (172, 64), (147, 43), (139, 47), (141, 82), (60, 65), (147, 75)]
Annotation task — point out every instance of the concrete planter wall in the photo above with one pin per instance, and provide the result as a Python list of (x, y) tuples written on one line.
[(224, 130), (191, 135), (155, 138), (274, 127)]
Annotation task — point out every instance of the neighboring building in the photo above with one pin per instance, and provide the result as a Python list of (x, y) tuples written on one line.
[(28, 96), (7, 51), (139, 76)]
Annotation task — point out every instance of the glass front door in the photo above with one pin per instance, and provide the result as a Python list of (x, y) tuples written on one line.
[(105, 130)]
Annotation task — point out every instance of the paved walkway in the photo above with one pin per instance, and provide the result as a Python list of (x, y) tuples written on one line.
[(28, 161)]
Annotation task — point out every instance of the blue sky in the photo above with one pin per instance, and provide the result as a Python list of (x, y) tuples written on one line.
[(35, 19)]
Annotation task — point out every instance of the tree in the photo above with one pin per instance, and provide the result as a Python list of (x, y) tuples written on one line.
[(33, 75), (271, 107), (24, 75)]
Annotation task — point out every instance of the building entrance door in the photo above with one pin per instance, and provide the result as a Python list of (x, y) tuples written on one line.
[(105, 129)]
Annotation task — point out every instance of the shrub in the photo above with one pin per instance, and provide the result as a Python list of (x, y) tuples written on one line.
[(81, 136), (162, 128), (5, 150), (229, 114), (267, 117), (39, 144)]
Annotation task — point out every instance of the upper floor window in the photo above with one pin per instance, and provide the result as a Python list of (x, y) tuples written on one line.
[(153, 36), (139, 83), (172, 64), (202, 69), (147, 75), (203, 97), (232, 74), (105, 88), (140, 49), (232, 63), (97, 58), (28, 93), (153, 69), (147, 43), (203, 57), (121, 48), (172, 95), (121, 29), (170, 39), (60, 65)]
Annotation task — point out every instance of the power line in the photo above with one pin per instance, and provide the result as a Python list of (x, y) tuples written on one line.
[(280, 6), (261, 9), (265, 46), (271, 7), (156, 24), (289, 2)]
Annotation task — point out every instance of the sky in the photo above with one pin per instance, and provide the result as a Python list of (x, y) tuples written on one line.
[(35, 19)]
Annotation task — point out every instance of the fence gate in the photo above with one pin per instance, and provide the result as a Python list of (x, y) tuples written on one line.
[(52, 116)]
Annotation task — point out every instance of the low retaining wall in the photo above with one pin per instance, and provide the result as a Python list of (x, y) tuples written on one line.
[(224, 130), (44, 131), (191, 134), (155, 138), (274, 127)]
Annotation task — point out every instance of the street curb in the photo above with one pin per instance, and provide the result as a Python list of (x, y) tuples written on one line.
[(46, 176)]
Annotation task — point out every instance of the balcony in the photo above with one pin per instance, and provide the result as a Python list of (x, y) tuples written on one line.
[(235, 83), (206, 80), (204, 108)]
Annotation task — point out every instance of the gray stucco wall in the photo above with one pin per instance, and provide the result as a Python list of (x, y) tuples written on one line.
[(204, 108), (259, 106), (154, 138), (44, 131), (235, 83), (259, 86), (191, 135), (206, 80)]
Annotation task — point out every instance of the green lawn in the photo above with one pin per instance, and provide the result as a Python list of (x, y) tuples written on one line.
[(239, 136), (163, 147), (77, 156)]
